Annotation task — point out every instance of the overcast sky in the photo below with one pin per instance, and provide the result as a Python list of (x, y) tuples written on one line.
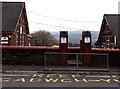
[(56, 15)]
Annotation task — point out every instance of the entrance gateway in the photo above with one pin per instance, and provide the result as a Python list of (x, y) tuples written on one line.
[(85, 60)]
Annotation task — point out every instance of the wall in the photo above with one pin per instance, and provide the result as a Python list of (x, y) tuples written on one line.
[(36, 56)]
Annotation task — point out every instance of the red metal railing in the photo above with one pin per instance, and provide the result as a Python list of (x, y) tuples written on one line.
[(55, 48)]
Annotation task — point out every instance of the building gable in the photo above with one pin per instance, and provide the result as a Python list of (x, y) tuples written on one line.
[(110, 25), (10, 15), (14, 24)]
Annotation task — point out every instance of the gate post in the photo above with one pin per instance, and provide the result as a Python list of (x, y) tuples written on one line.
[(85, 45), (63, 46)]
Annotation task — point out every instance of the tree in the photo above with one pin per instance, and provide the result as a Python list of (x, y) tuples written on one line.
[(43, 38)]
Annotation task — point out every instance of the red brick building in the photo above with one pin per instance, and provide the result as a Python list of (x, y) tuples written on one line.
[(15, 28)]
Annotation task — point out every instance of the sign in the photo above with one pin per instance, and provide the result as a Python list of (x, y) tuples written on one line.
[(4, 38), (87, 39), (63, 40), (5, 42)]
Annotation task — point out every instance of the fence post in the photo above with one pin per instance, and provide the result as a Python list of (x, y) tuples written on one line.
[(77, 60), (107, 61), (45, 61)]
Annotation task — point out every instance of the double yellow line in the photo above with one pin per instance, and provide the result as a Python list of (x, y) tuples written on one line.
[(98, 76), (14, 75)]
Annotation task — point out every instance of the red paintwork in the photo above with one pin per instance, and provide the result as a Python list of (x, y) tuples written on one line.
[(86, 58), (56, 48), (10, 42), (105, 31), (5, 35), (112, 50), (63, 49), (107, 36), (22, 20), (27, 47)]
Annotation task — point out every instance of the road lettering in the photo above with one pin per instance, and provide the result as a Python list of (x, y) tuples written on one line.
[(63, 78)]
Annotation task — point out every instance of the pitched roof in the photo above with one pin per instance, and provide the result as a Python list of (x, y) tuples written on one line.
[(10, 15), (113, 21)]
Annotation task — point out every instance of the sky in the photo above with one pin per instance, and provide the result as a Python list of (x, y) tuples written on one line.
[(68, 15)]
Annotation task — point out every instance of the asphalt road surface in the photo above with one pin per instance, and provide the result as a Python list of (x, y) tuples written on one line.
[(59, 80)]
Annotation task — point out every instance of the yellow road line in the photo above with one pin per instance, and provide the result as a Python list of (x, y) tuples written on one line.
[(99, 76), (14, 75)]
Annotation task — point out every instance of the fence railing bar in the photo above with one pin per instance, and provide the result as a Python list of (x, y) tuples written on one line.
[(108, 62), (74, 53)]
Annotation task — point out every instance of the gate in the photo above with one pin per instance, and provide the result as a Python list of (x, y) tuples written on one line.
[(76, 61)]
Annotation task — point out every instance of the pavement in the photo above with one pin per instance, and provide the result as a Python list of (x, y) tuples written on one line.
[(23, 69)]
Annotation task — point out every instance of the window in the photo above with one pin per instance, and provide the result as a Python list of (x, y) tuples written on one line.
[(21, 30), (16, 39), (21, 35)]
